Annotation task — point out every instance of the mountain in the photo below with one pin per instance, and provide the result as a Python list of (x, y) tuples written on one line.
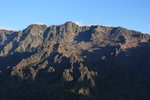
[(68, 61)]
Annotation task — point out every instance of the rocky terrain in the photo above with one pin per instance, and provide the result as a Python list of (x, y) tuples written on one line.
[(71, 62)]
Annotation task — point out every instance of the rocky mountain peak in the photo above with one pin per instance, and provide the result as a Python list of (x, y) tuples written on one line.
[(68, 61), (5, 31), (69, 23), (36, 28)]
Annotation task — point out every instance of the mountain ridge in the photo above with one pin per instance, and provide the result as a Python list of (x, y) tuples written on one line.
[(71, 61), (71, 23)]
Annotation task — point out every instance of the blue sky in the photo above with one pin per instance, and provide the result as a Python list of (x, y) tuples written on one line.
[(131, 14)]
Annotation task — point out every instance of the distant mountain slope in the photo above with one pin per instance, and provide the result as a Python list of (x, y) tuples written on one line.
[(67, 61)]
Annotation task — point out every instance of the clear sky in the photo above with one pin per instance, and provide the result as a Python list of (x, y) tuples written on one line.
[(131, 14)]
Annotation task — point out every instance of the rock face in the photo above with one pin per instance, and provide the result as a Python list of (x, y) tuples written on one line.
[(67, 61)]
